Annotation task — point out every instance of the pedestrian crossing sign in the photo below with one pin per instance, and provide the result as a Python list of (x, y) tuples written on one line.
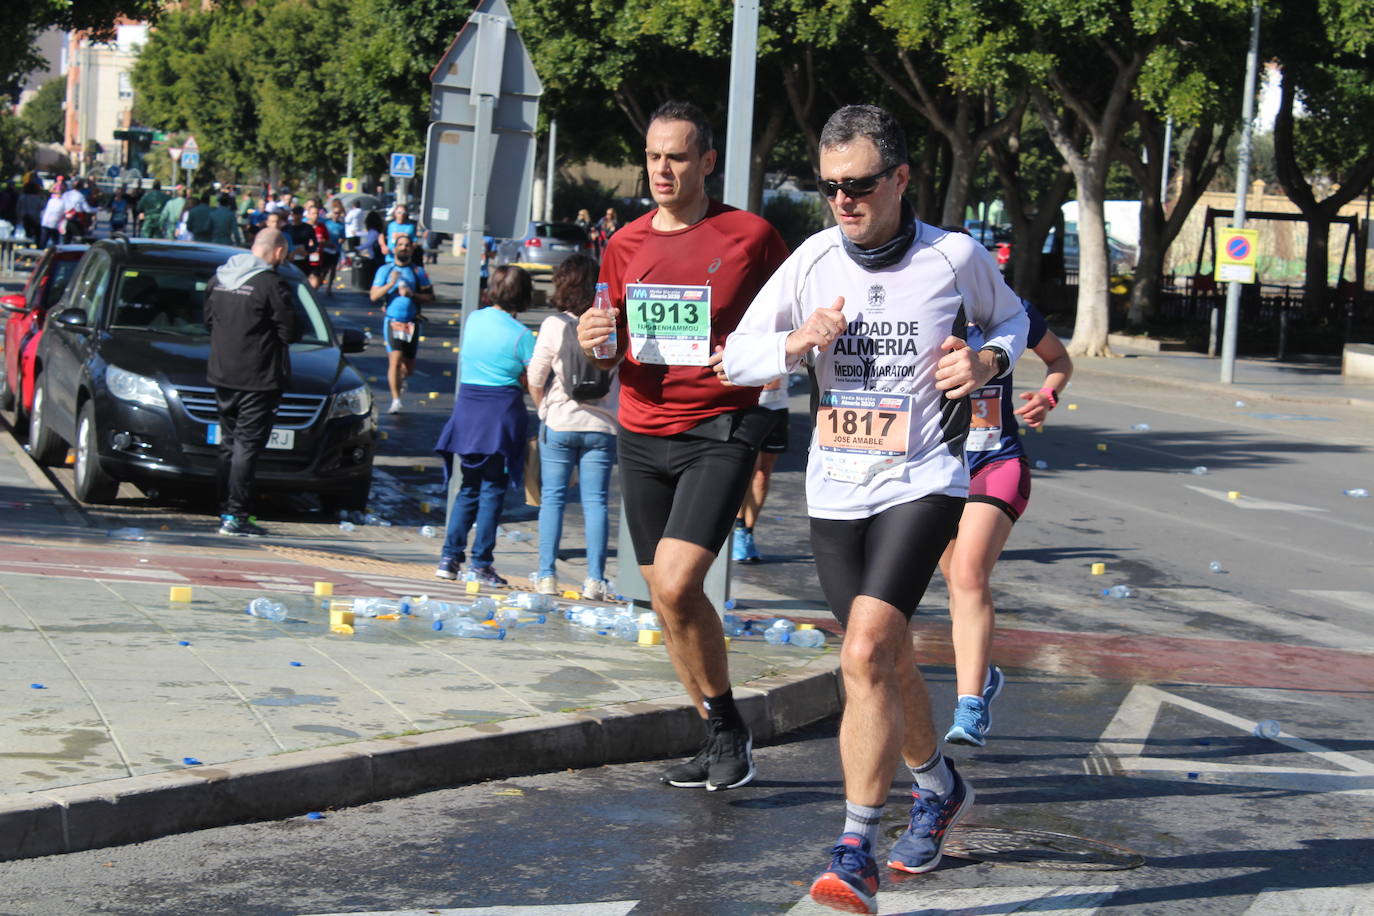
[(348, 185)]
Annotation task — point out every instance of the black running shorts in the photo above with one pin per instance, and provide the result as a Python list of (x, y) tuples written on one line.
[(889, 556), (681, 487)]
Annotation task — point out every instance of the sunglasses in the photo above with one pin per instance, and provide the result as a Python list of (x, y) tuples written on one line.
[(853, 188)]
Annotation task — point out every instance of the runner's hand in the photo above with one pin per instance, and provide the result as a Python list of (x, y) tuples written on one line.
[(717, 364), (961, 371), (820, 329), (595, 327), (1035, 412)]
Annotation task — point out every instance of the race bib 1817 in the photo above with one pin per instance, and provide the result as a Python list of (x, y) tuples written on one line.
[(862, 433)]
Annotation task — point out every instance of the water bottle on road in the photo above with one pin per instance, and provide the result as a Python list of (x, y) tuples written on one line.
[(468, 628), (376, 607), (807, 639), (267, 609), (779, 631), (1118, 591)]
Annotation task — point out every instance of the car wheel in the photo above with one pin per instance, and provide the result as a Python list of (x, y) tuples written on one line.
[(45, 446), (354, 499), (93, 485)]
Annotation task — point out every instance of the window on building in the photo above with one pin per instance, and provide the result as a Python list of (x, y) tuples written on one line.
[(126, 85)]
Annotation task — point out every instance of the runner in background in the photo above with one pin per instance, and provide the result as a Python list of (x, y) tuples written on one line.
[(773, 397), (999, 489)]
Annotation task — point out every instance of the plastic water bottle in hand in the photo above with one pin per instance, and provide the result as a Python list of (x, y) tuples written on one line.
[(605, 350), (267, 609)]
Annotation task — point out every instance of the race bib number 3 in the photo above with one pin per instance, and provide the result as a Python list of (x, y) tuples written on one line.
[(985, 424), (862, 433), (669, 325)]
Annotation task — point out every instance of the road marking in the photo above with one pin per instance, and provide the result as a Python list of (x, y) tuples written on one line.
[(1250, 502), (917, 898), (1127, 734), (1358, 601), (1356, 900), (1288, 621), (609, 908)]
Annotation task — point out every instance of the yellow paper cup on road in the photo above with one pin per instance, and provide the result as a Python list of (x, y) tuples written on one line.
[(1099, 569), (806, 626), (1233, 494), (1101, 446), (180, 593), (340, 617), (651, 637), (473, 587), (1073, 407), (324, 589)]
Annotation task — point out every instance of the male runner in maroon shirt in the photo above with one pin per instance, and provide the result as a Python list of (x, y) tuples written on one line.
[(680, 278)]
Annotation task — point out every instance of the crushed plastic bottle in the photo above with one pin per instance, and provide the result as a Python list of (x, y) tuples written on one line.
[(469, 575), (346, 525), (779, 631), (267, 609), (1267, 728), (1118, 591), (532, 601), (1199, 471), (625, 628), (428, 531), (733, 626), (1215, 567), (807, 639), (517, 537), (126, 534), (1041, 465), (468, 628), (376, 520), (1240, 403), (1140, 427), (1357, 493), (376, 607)]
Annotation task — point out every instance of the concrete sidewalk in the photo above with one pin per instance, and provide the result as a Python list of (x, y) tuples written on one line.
[(128, 716)]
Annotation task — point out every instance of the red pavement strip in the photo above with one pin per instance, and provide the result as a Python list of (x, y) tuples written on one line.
[(1165, 660), (1132, 659)]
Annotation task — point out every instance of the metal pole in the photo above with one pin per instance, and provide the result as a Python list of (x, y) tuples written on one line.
[(1168, 154), (1228, 342), (548, 173), (401, 184), (739, 135), (350, 159)]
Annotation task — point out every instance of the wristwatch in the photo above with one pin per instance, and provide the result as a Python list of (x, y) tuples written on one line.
[(1003, 359)]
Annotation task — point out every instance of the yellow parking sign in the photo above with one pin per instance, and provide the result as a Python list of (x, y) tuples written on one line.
[(348, 185), (1237, 252)]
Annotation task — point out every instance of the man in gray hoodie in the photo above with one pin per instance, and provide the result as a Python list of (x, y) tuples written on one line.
[(252, 323)]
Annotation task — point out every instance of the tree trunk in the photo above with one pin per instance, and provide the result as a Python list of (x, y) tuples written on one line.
[(1091, 325), (1316, 291), (758, 159), (1149, 264), (963, 160)]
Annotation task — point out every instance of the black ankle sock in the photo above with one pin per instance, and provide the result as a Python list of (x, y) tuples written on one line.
[(721, 713), (739, 523)]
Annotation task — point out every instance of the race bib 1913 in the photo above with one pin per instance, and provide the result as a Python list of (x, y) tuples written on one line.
[(669, 325)]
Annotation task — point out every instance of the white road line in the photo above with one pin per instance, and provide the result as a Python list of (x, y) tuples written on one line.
[(1287, 621), (609, 908), (919, 899), (1251, 502), (1355, 900), (1126, 735), (1358, 601)]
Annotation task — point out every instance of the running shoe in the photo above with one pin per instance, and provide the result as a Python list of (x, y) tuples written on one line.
[(448, 568), (594, 590), (487, 576), (919, 848), (395, 406), (730, 763), (690, 774), (971, 721), (851, 881), (994, 684), (546, 585), (751, 552), (238, 526), (738, 552)]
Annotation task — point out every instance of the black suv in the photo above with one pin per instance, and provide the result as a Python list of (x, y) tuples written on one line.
[(121, 376)]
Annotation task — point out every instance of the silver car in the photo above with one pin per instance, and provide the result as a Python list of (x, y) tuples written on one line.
[(544, 246)]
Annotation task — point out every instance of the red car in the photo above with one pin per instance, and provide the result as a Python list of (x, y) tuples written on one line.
[(24, 316)]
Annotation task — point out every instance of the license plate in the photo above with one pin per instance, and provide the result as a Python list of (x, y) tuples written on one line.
[(283, 439), (557, 247)]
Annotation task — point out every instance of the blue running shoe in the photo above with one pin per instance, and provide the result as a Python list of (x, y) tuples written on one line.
[(919, 848), (851, 881), (738, 552), (971, 721), (993, 686), (751, 551)]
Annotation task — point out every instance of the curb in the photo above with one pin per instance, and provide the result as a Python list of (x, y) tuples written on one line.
[(64, 505), (1234, 390), (145, 807)]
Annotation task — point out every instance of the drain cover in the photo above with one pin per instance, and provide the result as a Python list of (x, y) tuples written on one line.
[(1038, 849)]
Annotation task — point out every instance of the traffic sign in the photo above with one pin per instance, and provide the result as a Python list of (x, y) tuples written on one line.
[(349, 185), (174, 152), (190, 159), (402, 165), (1237, 253), (190, 144)]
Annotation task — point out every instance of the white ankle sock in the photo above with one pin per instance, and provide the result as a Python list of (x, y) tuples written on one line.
[(934, 775), (862, 820)]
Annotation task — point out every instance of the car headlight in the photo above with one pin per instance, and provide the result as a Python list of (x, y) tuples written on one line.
[(356, 402), (129, 386)]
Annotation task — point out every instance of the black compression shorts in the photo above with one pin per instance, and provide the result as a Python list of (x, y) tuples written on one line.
[(889, 556), (776, 443), (681, 487)]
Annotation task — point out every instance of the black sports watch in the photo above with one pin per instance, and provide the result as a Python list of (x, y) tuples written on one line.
[(1003, 360)]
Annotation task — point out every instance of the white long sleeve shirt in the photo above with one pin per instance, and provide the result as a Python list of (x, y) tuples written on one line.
[(884, 434)]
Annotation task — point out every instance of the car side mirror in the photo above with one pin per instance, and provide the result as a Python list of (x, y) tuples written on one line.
[(14, 303), (72, 318), (351, 340)]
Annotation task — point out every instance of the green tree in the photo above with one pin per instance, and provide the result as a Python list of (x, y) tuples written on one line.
[(16, 148), (25, 19), (44, 115)]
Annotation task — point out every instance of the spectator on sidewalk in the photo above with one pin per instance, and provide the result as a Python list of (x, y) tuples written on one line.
[(578, 431), (150, 211), (198, 221), (224, 224)]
